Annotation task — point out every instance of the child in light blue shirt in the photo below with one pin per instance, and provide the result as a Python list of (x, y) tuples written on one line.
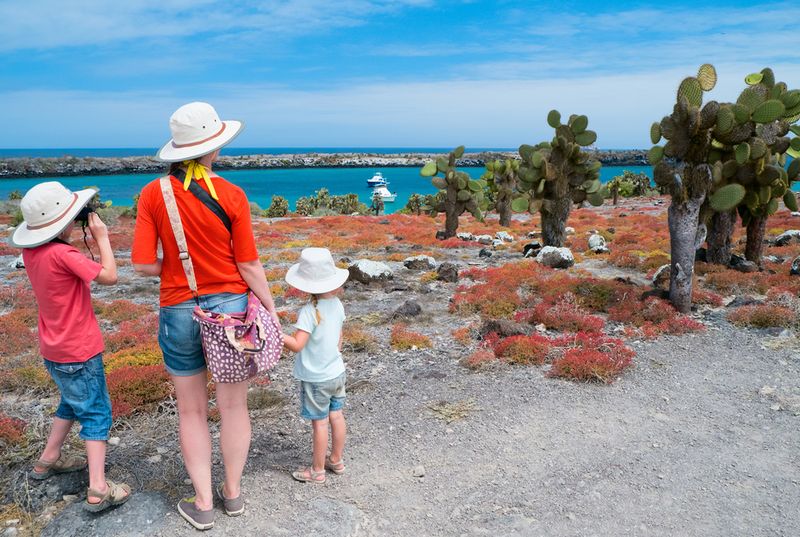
[(319, 366)]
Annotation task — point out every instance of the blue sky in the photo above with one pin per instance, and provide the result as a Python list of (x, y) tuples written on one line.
[(92, 73)]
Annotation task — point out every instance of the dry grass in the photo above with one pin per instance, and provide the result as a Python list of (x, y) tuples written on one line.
[(450, 412)]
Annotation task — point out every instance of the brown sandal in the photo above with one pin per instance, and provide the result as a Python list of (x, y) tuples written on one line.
[(117, 494), (337, 468), (63, 465)]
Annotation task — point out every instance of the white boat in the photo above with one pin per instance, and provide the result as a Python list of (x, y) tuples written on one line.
[(377, 180), (384, 193)]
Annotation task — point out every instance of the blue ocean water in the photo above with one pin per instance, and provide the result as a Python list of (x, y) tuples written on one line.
[(292, 183)]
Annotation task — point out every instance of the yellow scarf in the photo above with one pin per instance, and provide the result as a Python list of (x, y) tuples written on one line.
[(195, 170)]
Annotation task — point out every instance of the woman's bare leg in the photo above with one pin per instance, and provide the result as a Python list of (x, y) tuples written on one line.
[(235, 432), (192, 396)]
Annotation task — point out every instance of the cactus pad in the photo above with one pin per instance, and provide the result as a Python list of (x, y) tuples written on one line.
[(429, 169), (742, 153), (596, 199), (764, 194), (727, 197), (586, 138), (655, 133), (790, 200), (707, 76), (725, 120), (753, 78), (554, 118), (741, 113), (768, 77), (751, 98), (579, 124), (791, 99), (768, 111), (794, 169), (520, 204), (655, 154), (439, 183), (691, 89)]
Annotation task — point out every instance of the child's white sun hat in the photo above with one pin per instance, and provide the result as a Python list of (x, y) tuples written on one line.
[(48, 208), (196, 131), (316, 272)]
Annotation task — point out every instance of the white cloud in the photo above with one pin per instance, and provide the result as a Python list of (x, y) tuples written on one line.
[(480, 113)]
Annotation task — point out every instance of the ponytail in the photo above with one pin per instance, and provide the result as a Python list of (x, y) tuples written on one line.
[(315, 301)]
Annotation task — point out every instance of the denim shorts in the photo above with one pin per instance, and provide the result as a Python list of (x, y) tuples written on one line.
[(179, 334), (84, 395), (318, 399)]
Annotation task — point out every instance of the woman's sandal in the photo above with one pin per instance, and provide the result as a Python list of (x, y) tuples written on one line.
[(117, 494), (337, 468), (308, 475), (64, 464)]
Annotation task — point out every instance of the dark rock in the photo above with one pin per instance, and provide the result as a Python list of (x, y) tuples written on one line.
[(662, 277), (611, 230), (419, 262), (788, 237), (35, 495), (503, 328), (409, 308), (743, 265), (144, 514), (440, 235), (701, 254), (484, 253), (431, 374), (744, 300), (531, 249), (447, 272), (384, 222), (795, 270)]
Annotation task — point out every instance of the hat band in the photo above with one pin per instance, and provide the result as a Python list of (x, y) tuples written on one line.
[(53, 221), (179, 146)]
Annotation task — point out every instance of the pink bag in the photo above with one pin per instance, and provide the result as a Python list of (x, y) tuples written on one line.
[(238, 346)]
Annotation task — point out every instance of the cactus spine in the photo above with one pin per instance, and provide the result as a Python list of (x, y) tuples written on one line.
[(460, 192)]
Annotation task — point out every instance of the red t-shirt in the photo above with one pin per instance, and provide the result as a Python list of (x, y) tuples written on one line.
[(213, 250), (60, 276)]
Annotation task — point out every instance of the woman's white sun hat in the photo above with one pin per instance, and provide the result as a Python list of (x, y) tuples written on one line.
[(316, 272), (196, 131), (48, 208)]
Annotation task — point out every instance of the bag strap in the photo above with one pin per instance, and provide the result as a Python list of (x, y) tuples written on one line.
[(180, 237), (212, 204)]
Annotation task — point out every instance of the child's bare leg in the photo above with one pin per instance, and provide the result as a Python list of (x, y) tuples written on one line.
[(96, 453), (338, 435), (320, 444), (55, 441)]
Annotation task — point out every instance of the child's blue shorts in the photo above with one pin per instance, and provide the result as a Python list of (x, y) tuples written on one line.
[(84, 395), (318, 399)]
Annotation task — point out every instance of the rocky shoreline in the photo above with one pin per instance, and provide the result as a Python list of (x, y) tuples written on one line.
[(11, 168)]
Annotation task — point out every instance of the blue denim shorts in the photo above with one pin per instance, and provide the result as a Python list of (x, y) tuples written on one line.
[(318, 399), (179, 334), (84, 395)]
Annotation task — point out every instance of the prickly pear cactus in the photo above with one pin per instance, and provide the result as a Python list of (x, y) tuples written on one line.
[(461, 192), (681, 168), (502, 179), (554, 175)]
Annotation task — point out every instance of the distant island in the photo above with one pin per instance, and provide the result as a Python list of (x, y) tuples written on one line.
[(72, 166)]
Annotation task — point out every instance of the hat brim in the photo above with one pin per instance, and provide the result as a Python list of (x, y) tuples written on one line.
[(170, 153), (316, 287), (23, 237)]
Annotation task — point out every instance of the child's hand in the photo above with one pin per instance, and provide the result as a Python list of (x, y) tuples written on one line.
[(97, 227)]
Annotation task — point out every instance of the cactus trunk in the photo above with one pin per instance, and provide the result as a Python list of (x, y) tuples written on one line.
[(683, 222), (756, 228), (719, 237), (554, 221), (503, 207)]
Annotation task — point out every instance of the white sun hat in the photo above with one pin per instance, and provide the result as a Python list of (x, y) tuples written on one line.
[(48, 208), (196, 131), (316, 272)]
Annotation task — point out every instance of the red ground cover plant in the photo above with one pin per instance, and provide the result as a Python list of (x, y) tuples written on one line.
[(11, 429), (523, 350), (132, 333), (16, 335), (134, 389), (462, 335), (403, 339), (141, 355), (118, 311), (478, 359), (652, 317), (763, 316), (592, 357), (565, 315)]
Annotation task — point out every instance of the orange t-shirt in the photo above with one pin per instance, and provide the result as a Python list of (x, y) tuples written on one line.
[(213, 250)]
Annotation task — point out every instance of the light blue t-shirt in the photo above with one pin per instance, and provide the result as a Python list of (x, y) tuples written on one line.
[(320, 359)]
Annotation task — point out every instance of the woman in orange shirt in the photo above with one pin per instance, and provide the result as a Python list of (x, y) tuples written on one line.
[(226, 266)]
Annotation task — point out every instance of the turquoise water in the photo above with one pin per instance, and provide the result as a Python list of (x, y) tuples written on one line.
[(261, 185)]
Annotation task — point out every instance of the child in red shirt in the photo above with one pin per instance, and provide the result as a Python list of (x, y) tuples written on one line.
[(69, 335)]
